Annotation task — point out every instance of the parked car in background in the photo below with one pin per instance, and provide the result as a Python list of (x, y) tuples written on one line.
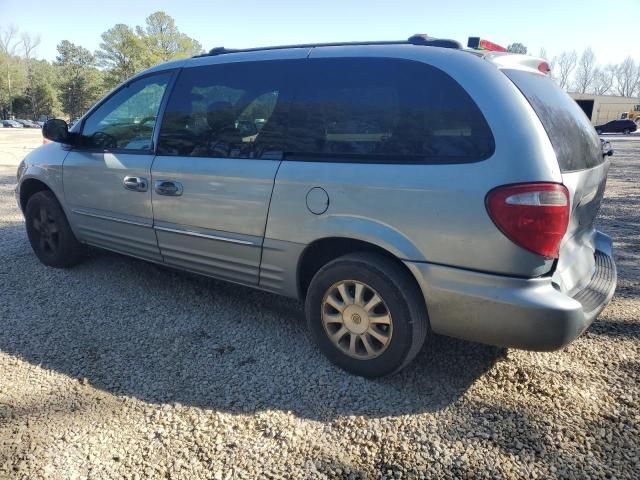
[(617, 126), (11, 124), (380, 189), (27, 123)]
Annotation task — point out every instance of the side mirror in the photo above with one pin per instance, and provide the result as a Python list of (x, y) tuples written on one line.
[(56, 130), (607, 149)]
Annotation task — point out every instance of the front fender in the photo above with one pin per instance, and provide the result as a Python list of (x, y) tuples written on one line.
[(44, 164)]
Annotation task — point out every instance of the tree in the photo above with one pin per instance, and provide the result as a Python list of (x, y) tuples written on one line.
[(8, 47), (125, 51), (40, 89), (586, 71), (29, 45), (627, 78), (517, 48), (121, 53), (603, 79), (80, 80), (164, 41), (565, 64)]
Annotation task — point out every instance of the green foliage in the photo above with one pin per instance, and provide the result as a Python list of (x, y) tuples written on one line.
[(40, 91), (163, 40), (22, 107), (31, 88), (121, 54), (12, 82), (125, 51), (80, 84)]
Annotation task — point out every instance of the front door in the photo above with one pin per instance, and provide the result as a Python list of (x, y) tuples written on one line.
[(107, 176), (219, 149)]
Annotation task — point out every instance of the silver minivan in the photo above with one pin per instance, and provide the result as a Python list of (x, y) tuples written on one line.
[(399, 188)]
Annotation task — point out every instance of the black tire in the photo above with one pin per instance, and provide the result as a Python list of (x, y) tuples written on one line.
[(55, 245), (401, 296), (626, 131)]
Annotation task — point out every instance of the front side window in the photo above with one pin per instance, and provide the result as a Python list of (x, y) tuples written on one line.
[(388, 110), (126, 120), (233, 110)]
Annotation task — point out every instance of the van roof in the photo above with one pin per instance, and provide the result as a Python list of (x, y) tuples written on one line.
[(501, 60), (417, 39)]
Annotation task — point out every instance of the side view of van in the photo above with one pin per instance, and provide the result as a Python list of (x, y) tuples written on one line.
[(398, 188)]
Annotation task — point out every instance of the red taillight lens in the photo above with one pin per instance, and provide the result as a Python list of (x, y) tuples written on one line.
[(544, 68), (534, 215)]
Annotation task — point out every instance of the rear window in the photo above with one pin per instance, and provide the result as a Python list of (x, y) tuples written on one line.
[(574, 139), (385, 110)]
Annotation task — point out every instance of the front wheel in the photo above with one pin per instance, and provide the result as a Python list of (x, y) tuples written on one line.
[(366, 314), (49, 232)]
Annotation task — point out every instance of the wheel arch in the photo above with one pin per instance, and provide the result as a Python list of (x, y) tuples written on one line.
[(29, 187), (321, 251)]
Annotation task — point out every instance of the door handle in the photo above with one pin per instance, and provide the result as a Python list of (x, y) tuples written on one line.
[(136, 184), (170, 188)]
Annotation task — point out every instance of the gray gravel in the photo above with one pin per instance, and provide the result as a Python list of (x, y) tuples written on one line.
[(122, 369)]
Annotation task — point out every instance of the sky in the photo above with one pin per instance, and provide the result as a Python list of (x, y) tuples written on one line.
[(555, 25)]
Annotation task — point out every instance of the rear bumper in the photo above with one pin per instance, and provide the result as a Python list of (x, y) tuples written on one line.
[(530, 314)]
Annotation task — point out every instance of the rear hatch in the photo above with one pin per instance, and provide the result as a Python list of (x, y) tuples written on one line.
[(584, 172)]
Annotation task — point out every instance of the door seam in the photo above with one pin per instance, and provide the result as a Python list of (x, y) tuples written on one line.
[(266, 220)]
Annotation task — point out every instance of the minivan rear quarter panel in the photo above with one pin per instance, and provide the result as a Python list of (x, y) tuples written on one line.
[(422, 212)]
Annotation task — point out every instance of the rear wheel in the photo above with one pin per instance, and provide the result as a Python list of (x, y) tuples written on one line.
[(49, 232), (366, 314)]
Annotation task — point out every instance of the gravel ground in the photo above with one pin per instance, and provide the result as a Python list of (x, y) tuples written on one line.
[(15, 143), (121, 369)]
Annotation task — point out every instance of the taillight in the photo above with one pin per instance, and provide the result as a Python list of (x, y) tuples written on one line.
[(535, 216), (544, 68)]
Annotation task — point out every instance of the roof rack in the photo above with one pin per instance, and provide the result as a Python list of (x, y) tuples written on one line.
[(417, 39)]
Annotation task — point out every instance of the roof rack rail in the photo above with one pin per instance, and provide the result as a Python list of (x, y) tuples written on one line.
[(417, 39)]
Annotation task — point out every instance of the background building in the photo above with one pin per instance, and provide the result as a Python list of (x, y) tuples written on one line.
[(603, 108)]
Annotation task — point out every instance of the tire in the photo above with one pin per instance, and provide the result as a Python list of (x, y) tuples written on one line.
[(626, 131), (55, 245), (402, 301)]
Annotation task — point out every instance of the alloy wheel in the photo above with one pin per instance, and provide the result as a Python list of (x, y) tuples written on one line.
[(356, 319), (46, 231)]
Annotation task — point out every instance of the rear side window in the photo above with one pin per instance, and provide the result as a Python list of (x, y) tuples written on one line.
[(574, 139), (233, 110), (387, 110)]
